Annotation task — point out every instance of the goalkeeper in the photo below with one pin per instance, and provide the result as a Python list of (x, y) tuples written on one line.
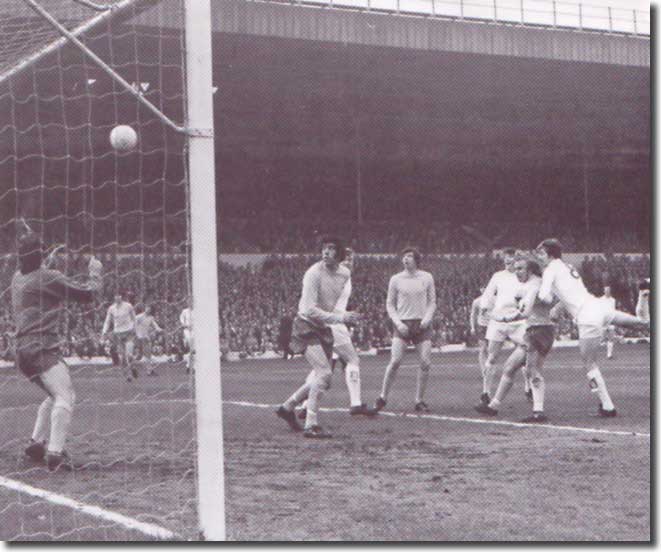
[(37, 294)]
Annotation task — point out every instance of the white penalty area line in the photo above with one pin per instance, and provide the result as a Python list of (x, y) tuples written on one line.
[(148, 529), (467, 420)]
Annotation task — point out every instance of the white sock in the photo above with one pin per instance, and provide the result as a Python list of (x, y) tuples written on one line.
[(313, 405), (391, 372), (352, 377), (40, 432), (487, 380), (526, 382), (538, 388), (609, 349), (423, 378), (598, 385), (59, 428), (298, 397)]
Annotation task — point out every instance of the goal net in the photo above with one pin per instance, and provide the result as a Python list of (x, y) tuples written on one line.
[(132, 439)]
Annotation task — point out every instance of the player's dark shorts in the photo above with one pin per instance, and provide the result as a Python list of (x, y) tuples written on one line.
[(416, 334), (34, 363), (304, 333), (481, 333), (143, 347), (540, 338)]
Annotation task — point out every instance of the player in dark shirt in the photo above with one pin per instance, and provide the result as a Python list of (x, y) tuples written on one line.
[(37, 294)]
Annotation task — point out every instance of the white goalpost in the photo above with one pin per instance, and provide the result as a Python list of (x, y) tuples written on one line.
[(88, 168), (202, 182)]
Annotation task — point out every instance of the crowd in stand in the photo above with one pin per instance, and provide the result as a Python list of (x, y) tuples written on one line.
[(256, 301)]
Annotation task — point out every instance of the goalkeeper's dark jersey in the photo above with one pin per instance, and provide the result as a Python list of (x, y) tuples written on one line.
[(36, 299)]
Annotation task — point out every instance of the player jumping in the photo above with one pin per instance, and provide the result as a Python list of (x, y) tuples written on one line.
[(539, 337), (592, 315), (501, 296), (323, 285), (411, 304), (145, 329), (344, 351), (37, 294), (122, 317)]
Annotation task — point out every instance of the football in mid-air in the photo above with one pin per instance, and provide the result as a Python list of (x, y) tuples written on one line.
[(123, 138)]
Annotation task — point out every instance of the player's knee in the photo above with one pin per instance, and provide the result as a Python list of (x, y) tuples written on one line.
[(65, 400), (536, 380), (425, 366), (323, 381)]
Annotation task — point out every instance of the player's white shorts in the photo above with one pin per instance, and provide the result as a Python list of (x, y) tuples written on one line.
[(189, 339), (502, 331), (593, 318)]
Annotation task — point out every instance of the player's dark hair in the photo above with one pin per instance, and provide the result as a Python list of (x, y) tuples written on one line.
[(552, 247), (417, 256), (340, 251), (644, 284), (534, 268), (509, 251), (30, 253)]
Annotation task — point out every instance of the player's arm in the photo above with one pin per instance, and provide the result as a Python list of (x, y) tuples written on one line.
[(67, 288), (528, 302), (391, 306), (557, 311), (155, 326), (489, 295), (431, 303), (545, 293), (475, 311), (107, 321), (310, 301)]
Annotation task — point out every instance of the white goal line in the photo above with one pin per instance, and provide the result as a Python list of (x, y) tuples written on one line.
[(149, 529)]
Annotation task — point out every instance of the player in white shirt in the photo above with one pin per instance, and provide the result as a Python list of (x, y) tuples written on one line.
[(609, 332), (501, 297), (344, 350), (121, 316), (411, 304), (146, 328), (561, 280), (186, 321), (643, 303)]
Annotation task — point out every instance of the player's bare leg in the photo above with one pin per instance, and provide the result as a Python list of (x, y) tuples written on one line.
[(321, 382), (397, 350), (493, 351), (424, 350), (482, 355), (589, 352), (514, 363), (626, 320), (58, 383), (128, 351)]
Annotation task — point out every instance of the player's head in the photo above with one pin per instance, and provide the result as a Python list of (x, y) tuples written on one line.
[(118, 297), (30, 253), (348, 258), (548, 250), (509, 258), (644, 285), (520, 268), (148, 310), (411, 257), (332, 249), (607, 291), (534, 268)]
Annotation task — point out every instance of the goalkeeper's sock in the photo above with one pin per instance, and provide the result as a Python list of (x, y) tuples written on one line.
[(352, 377), (598, 386), (59, 428), (609, 349), (40, 432)]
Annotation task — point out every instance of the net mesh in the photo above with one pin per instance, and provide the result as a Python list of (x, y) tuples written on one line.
[(132, 442)]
